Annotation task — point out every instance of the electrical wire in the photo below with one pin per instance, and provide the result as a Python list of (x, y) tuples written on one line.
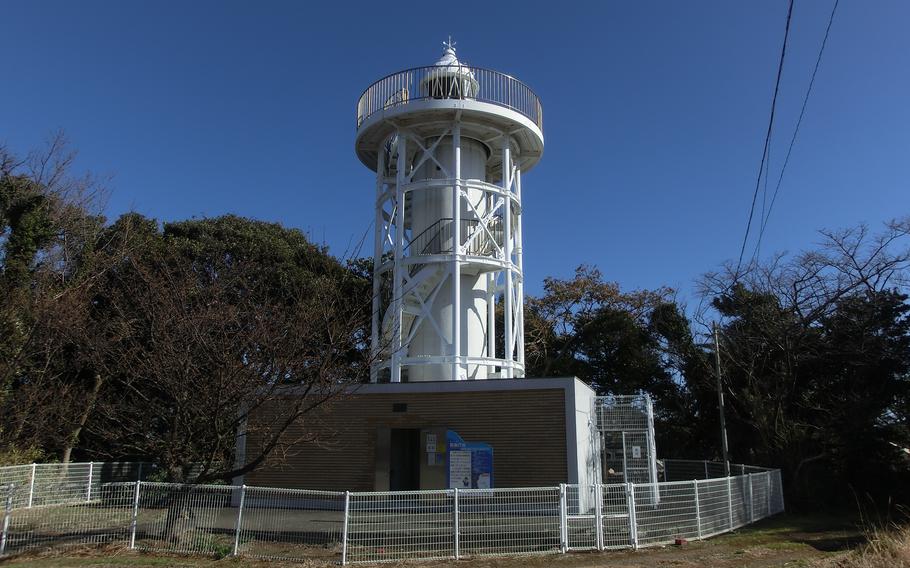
[(780, 69), (799, 121)]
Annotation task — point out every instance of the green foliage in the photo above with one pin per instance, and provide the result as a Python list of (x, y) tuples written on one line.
[(824, 398), (25, 218), (18, 456), (619, 342)]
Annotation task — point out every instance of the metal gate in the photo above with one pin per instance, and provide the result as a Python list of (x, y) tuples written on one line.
[(597, 517), (624, 426)]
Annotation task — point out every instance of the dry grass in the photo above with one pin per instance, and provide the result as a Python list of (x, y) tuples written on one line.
[(885, 548)]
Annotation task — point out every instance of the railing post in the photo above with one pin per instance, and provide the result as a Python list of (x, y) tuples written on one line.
[(563, 520), (7, 511), (633, 521), (455, 522), (730, 500), (91, 471), (706, 469), (135, 520), (239, 520), (344, 530), (31, 485), (599, 514), (139, 473), (697, 509)]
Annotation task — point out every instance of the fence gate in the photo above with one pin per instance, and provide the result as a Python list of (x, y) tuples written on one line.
[(624, 427), (597, 517), (581, 517)]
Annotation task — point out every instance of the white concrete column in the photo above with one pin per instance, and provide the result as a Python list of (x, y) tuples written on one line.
[(520, 303), (507, 242), (456, 252), (378, 236), (397, 276)]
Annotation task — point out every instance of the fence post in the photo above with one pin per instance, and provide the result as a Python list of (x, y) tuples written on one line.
[(344, 530), (706, 469), (455, 523), (139, 473), (135, 521), (91, 471), (730, 500), (31, 486), (751, 501), (599, 514), (768, 490), (239, 520), (563, 520), (7, 511), (782, 506), (630, 507), (697, 508)]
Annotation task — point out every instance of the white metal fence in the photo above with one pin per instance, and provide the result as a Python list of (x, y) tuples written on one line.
[(346, 527), (685, 470), (55, 483)]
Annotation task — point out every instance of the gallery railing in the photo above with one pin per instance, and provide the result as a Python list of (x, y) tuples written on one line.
[(449, 82)]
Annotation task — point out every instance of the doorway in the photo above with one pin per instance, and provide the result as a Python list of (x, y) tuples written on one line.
[(404, 459)]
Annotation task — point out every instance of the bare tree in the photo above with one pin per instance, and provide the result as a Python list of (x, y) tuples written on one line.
[(50, 227), (197, 353), (809, 346)]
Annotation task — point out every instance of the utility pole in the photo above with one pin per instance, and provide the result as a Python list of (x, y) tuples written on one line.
[(720, 402)]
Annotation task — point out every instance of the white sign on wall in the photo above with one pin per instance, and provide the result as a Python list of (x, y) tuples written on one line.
[(460, 469)]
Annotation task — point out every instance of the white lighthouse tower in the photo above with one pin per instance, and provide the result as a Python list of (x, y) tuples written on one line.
[(448, 143)]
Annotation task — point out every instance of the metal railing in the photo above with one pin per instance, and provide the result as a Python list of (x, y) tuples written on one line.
[(348, 527), (449, 82), (438, 238)]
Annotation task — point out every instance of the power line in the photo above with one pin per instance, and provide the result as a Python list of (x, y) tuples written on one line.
[(780, 69), (799, 121)]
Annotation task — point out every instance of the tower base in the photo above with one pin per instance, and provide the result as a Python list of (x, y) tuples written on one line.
[(385, 437)]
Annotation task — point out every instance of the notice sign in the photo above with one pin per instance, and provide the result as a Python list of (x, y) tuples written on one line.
[(460, 469), (431, 443), (470, 463), (636, 452)]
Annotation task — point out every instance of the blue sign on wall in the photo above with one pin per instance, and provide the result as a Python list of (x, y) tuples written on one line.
[(470, 463)]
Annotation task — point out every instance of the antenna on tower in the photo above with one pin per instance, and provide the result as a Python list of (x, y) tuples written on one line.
[(449, 45)]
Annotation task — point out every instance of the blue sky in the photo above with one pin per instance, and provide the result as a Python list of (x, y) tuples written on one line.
[(655, 114)]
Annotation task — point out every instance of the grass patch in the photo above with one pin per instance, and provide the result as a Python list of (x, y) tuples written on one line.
[(887, 547)]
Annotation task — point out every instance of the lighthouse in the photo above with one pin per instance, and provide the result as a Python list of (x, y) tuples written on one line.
[(448, 406), (449, 143)]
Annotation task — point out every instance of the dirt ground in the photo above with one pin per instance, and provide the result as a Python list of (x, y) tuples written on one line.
[(792, 541)]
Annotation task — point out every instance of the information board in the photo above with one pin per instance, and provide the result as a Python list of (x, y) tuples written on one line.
[(470, 463)]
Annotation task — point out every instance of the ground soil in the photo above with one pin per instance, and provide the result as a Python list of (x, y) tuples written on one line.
[(792, 541)]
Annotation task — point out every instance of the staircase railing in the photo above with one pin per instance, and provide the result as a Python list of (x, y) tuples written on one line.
[(437, 238)]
